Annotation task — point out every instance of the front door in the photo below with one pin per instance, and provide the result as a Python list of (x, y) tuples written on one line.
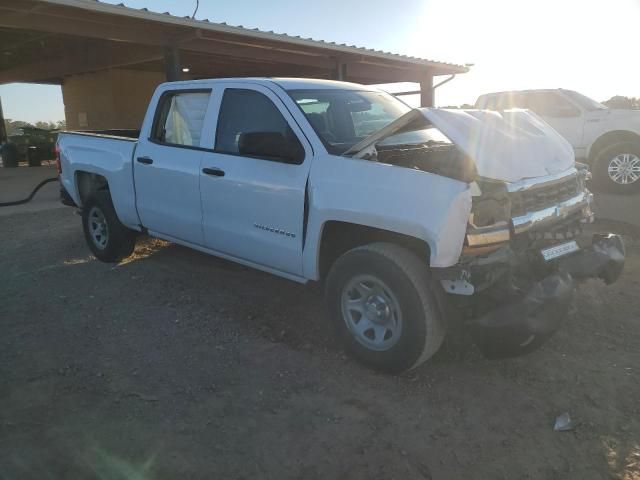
[(253, 194), (167, 167)]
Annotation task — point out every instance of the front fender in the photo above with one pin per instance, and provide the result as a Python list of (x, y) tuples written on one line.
[(423, 205)]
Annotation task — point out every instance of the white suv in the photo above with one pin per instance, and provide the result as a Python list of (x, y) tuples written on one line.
[(606, 139)]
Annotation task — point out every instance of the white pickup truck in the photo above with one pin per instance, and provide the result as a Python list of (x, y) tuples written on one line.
[(606, 139), (403, 213)]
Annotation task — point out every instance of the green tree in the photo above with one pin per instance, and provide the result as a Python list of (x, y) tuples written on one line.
[(12, 126), (45, 125)]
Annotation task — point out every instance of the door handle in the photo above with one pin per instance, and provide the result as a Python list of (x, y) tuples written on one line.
[(145, 160), (216, 172)]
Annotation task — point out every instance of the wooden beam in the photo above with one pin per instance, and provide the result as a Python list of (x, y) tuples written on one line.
[(119, 32), (81, 60), (382, 74), (263, 52)]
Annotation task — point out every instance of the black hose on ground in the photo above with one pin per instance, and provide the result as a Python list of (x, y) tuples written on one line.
[(30, 197)]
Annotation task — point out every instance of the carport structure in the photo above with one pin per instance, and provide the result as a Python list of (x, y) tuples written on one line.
[(109, 58)]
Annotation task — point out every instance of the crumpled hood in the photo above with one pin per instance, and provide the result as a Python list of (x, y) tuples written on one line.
[(507, 146)]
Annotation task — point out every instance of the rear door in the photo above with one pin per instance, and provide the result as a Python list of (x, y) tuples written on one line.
[(167, 166), (254, 204)]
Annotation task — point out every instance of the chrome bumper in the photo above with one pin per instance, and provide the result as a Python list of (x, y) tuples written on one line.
[(541, 218), (502, 231)]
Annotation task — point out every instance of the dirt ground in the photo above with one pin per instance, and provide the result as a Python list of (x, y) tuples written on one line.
[(179, 365)]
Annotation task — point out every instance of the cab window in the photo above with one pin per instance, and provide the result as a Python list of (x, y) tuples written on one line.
[(180, 118), (249, 124)]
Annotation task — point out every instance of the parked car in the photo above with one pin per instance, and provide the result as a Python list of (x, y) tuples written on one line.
[(608, 140), (434, 209)]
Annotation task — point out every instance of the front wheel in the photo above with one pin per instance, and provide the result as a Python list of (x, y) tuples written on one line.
[(617, 168), (108, 239), (384, 305)]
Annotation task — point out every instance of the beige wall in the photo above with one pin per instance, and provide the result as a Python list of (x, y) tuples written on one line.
[(108, 99)]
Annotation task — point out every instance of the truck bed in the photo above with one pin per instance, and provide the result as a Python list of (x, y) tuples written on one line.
[(123, 134), (104, 154)]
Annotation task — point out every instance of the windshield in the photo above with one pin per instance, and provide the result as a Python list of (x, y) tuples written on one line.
[(584, 101), (342, 118)]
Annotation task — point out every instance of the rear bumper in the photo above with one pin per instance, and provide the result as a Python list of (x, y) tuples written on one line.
[(527, 317)]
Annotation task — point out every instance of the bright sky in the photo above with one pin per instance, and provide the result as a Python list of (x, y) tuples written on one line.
[(584, 45)]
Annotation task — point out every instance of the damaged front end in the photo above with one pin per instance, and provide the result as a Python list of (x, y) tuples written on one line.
[(525, 251), (525, 246)]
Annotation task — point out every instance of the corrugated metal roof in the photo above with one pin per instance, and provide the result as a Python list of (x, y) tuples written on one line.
[(166, 17)]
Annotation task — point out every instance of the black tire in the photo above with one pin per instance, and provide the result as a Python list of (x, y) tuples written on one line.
[(602, 181), (408, 279), (117, 241)]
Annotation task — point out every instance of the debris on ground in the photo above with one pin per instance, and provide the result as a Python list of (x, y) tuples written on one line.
[(563, 423)]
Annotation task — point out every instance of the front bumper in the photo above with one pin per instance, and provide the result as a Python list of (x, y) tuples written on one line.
[(528, 315)]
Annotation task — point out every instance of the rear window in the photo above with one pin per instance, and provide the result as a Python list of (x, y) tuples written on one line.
[(180, 118)]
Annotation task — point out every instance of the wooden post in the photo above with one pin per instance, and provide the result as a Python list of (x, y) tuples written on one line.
[(3, 130), (426, 91), (172, 67), (340, 72)]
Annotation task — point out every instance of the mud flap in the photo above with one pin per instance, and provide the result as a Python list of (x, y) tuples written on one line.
[(523, 325)]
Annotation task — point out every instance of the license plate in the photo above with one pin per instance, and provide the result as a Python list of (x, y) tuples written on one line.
[(559, 250)]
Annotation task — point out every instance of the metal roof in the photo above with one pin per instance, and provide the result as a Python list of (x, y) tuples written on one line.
[(283, 82), (167, 18)]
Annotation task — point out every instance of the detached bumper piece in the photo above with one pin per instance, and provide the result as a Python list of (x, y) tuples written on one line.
[(523, 324), (527, 320), (605, 260)]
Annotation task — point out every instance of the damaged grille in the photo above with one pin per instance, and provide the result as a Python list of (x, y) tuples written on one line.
[(538, 198)]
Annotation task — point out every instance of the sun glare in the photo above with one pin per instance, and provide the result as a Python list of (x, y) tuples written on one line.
[(581, 45)]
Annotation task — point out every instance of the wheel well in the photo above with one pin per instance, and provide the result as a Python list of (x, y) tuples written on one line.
[(340, 237), (89, 183), (611, 138)]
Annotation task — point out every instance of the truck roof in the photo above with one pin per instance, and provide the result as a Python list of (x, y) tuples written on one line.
[(507, 92), (285, 83)]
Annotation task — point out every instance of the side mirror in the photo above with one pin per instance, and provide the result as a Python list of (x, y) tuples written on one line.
[(272, 145)]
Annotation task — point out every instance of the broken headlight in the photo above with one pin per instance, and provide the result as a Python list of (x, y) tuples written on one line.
[(584, 174), (489, 220)]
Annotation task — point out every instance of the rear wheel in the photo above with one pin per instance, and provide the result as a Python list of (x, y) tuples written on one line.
[(383, 302), (108, 239), (617, 168)]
